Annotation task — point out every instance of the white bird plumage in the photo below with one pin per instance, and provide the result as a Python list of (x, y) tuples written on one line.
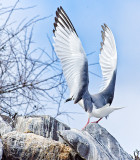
[(71, 54), (68, 48), (108, 56)]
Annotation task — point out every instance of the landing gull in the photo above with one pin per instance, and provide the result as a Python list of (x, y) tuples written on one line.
[(70, 51)]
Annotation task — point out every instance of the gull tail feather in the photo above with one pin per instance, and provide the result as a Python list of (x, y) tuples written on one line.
[(116, 108)]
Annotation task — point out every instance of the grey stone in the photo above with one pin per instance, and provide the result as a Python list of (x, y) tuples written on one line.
[(94, 142), (28, 146), (5, 127), (45, 126), (107, 141), (82, 143), (1, 149)]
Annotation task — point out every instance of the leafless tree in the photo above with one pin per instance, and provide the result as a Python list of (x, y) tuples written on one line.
[(30, 77)]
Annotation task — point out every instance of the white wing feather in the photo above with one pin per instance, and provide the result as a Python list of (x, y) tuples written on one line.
[(108, 56), (69, 49)]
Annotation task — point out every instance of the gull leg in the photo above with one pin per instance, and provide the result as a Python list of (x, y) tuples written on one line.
[(97, 121), (86, 124)]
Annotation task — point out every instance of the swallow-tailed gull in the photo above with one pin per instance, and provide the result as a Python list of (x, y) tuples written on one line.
[(69, 50)]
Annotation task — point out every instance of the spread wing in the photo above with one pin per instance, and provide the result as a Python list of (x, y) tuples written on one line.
[(108, 59), (69, 49)]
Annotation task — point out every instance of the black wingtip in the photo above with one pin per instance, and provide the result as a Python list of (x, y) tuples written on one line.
[(56, 20), (61, 8), (53, 31), (58, 10), (64, 20), (55, 25), (57, 14), (103, 27), (103, 35)]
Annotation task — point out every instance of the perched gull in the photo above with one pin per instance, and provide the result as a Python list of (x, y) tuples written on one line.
[(68, 48)]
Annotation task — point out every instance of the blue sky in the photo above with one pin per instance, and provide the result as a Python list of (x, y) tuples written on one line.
[(123, 17)]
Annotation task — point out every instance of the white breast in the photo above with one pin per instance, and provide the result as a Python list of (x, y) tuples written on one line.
[(101, 112)]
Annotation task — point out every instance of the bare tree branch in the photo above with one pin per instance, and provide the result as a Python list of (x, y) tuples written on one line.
[(30, 77)]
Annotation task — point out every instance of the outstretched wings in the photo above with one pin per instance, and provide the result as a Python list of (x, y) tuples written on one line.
[(108, 63), (69, 49)]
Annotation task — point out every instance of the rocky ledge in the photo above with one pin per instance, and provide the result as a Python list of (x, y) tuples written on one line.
[(45, 138)]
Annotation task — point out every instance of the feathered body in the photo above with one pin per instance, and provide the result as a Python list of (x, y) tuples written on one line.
[(68, 48)]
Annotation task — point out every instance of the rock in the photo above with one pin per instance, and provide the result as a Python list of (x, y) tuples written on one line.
[(4, 127), (94, 142), (34, 140), (107, 141), (83, 144), (1, 149), (28, 146), (45, 126)]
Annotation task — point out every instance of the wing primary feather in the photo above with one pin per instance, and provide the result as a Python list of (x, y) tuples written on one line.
[(58, 15), (107, 56), (103, 27), (69, 49), (55, 25), (56, 21), (64, 16), (68, 20), (103, 35), (53, 31)]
